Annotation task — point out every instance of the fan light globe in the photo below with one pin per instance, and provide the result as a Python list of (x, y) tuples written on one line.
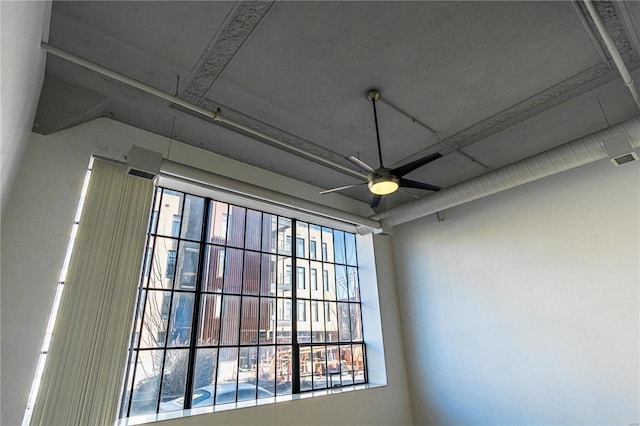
[(383, 186)]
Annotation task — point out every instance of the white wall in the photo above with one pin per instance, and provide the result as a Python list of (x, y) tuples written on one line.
[(35, 231), (24, 25), (523, 307)]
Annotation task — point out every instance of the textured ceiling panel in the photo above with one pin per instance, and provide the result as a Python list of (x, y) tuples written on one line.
[(484, 81)]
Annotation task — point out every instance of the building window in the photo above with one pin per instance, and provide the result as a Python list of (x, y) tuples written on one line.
[(220, 264), (312, 250), (286, 312), (175, 226), (314, 279), (147, 261), (189, 266), (287, 244), (224, 223), (154, 219), (300, 247), (171, 264), (287, 276), (302, 311), (229, 327), (300, 281), (166, 302), (325, 252)]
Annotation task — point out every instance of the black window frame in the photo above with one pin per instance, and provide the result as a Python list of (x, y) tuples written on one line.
[(292, 314)]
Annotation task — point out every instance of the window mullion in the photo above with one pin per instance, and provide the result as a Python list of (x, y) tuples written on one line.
[(259, 298), (188, 392), (275, 298), (164, 353), (295, 346), (222, 296), (169, 319), (240, 319)]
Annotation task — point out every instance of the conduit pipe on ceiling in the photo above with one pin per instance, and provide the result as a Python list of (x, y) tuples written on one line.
[(611, 46), (573, 154), (213, 115), (576, 153), (182, 172)]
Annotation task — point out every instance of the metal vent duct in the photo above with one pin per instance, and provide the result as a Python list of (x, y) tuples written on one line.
[(576, 153)]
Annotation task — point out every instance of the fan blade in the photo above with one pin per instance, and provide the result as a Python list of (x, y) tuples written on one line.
[(375, 200), (340, 188), (358, 162), (408, 183), (409, 167)]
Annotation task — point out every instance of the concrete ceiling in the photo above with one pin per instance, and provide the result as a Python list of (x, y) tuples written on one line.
[(493, 81)]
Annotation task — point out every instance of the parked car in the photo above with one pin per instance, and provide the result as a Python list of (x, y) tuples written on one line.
[(223, 393)]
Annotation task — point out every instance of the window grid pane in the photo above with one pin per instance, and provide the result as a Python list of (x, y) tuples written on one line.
[(225, 275)]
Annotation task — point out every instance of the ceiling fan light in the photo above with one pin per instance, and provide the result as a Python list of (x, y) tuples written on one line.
[(383, 186)]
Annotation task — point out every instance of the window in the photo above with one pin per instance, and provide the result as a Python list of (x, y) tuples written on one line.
[(154, 219), (312, 250), (286, 312), (171, 264), (314, 279), (301, 278), (147, 261), (235, 323), (220, 264), (166, 302), (175, 226), (189, 266), (302, 311), (224, 222), (287, 244), (287, 275)]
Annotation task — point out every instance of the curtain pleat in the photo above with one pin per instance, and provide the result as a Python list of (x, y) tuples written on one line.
[(84, 370)]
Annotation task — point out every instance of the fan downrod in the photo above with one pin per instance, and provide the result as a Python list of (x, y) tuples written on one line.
[(384, 180)]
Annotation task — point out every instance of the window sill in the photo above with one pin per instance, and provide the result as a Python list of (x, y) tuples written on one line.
[(151, 418)]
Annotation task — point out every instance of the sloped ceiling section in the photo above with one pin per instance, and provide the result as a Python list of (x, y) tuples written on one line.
[(484, 83)]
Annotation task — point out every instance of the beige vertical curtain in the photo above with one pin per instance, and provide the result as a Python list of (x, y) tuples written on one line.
[(83, 375)]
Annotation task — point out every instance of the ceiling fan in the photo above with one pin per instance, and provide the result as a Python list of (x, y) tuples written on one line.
[(383, 180)]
